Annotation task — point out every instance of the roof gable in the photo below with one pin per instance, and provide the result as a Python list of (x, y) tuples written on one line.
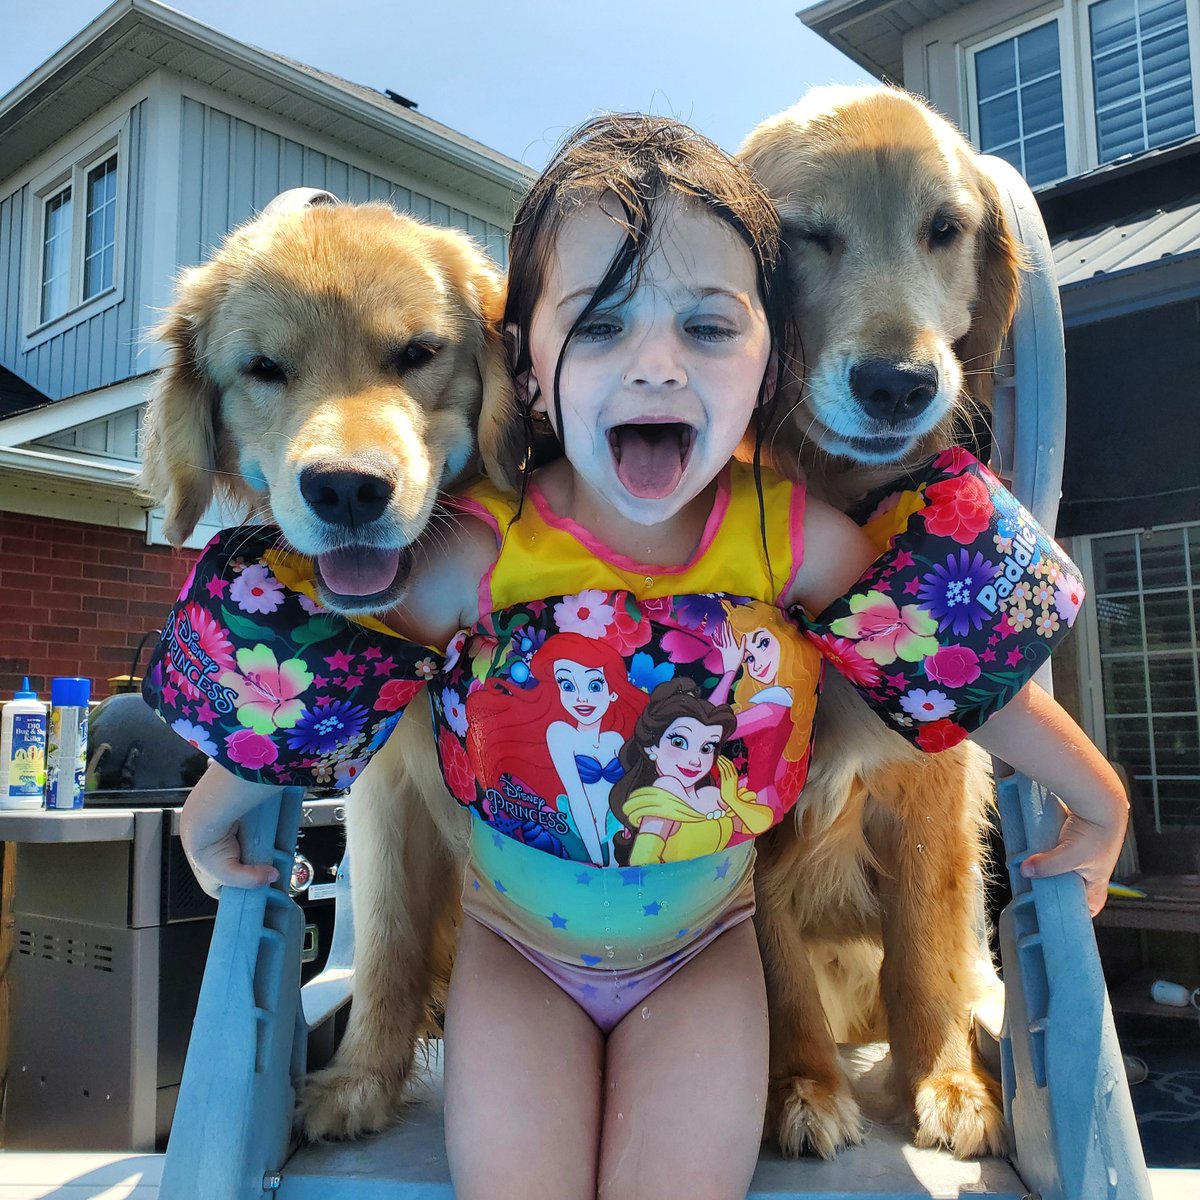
[(133, 38)]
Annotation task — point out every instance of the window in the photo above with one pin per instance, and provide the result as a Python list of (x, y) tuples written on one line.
[(76, 229), (56, 255), (1141, 75), (1019, 98), (1086, 85), (100, 228), (1147, 608)]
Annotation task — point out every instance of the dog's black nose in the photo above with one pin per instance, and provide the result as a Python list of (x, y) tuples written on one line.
[(893, 392), (349, 498)]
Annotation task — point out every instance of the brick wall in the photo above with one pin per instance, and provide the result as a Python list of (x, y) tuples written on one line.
[(75, 599)]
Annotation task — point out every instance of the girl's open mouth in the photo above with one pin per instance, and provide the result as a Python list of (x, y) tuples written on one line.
[(651, 457)]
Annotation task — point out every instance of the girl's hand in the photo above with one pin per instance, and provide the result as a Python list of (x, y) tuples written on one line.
[(1086, 847), (208, 830), (1033, 734)]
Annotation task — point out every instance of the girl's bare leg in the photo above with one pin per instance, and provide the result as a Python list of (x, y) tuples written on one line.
[(524, 1072), (686, 1083)]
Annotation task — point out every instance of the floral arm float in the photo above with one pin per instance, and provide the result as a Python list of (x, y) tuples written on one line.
[(968, 598), (255, 673)]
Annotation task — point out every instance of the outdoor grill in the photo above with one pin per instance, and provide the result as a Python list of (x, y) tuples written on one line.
[(111, 933)]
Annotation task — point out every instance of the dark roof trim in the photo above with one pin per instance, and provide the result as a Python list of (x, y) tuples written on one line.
[(1118, 293), (1120, 170), (17, 396)]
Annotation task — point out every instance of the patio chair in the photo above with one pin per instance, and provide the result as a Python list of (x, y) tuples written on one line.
[(1065, 1095)]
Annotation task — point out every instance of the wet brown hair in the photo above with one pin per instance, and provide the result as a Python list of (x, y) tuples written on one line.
[(642, 161)]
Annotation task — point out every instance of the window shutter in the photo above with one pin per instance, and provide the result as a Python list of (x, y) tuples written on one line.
[(1141, 75)]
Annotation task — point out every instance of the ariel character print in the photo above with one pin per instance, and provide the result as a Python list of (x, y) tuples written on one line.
[(774, 722), (560, 730), (667, 795)]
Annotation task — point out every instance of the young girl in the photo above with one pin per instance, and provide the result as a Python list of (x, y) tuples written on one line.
[(605, 1029)]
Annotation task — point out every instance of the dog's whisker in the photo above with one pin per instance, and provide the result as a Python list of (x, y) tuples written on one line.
[(985, 355), (224, 337)]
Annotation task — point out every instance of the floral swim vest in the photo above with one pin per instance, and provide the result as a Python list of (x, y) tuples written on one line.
[(651, 721)]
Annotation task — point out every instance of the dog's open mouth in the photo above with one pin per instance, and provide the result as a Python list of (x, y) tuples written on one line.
[(358, 574), (651, 457)]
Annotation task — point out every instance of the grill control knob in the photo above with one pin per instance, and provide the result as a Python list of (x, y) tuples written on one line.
[(302, 875)]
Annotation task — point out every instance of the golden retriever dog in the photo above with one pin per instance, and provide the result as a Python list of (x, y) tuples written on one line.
[(905, 284), (326, 371)]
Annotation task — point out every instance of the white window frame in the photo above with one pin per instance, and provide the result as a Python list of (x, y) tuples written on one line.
[(1091, 681), (72, 170), (1075, 56), (1081, 20)]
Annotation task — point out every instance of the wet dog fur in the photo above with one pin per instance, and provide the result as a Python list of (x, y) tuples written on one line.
[(328, 369), (905, 283)]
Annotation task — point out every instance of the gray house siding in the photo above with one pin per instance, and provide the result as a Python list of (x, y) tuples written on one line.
[(99, 349), (231, 167), (228, 169)]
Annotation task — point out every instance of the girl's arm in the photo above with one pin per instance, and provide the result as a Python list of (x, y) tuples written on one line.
[(836, 553), (1031, 732), (443, 593), (209, 833), (1035, 735)]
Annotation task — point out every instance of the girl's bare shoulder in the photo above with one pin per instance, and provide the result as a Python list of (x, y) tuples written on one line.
[(448, 562), (836, 553)]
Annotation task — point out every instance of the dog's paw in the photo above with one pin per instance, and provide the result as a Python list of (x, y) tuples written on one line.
[(804, 1116), (958, 1110), (340, 1102)]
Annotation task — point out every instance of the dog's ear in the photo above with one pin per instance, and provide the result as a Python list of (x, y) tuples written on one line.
[(179, 429), (998, 268), (501, 447)]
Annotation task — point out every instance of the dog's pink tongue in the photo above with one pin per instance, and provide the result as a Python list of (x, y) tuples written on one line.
[(649, 460), (358, 570)]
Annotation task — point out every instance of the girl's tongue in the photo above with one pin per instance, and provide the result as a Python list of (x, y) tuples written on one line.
[(650, 459)]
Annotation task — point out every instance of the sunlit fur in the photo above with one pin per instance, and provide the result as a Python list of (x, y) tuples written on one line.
[(871, 170), (867, 902), (331, 294), (325, 291)]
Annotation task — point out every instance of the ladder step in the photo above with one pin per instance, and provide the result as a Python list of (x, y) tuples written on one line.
[(409, 1163)]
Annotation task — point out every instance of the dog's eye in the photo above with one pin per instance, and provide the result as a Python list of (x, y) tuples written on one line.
[(265, 370), (415, 354), (821, 238), (942, 231)]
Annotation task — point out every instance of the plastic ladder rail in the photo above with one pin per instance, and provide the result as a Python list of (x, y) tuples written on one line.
[(1066, 1098), (232, 1127)]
